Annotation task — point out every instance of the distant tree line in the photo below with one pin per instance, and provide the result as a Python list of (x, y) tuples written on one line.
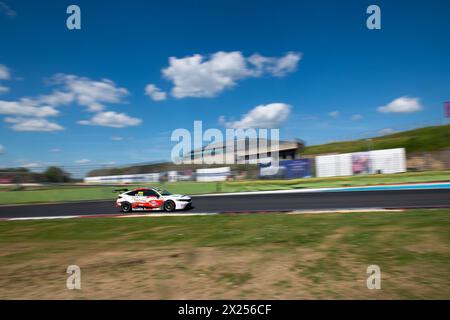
[(23, 175)]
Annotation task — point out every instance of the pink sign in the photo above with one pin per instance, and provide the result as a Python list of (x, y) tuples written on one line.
[(447, 109)]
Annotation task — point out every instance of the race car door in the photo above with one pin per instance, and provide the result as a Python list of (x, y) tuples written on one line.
[(152, 199)]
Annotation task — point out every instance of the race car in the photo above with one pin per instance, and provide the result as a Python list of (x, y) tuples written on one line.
[(151, 199)]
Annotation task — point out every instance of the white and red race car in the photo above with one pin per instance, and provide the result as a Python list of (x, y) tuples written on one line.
[(151, 199)]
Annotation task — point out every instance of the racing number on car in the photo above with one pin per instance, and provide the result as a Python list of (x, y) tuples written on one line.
[(139, 197)]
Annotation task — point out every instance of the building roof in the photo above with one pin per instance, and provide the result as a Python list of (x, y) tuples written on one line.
[(260, 143)]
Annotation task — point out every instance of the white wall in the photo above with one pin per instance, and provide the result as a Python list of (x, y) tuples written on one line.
[(128, 178), (385, 161), (388, 160), (334, 165), (213, 174)]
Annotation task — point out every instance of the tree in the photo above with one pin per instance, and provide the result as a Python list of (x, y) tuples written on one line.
[(55, 174)]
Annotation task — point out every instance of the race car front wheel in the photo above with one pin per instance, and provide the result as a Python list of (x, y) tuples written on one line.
[(126, 207), (169, 206)]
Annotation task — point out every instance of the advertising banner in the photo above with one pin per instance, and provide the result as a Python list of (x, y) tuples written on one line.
[(360, 163), (447, 109), (298, 168), (287, 169)]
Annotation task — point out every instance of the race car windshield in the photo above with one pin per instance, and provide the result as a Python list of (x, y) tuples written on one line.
[(165, 193)]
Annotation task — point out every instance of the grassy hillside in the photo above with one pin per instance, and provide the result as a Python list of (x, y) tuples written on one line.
[(423, 139)]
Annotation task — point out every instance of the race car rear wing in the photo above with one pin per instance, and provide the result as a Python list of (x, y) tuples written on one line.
[(120, 190)]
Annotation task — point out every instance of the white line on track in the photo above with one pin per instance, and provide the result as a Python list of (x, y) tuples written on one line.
[(345, 211), (156, 215), (42, 218)]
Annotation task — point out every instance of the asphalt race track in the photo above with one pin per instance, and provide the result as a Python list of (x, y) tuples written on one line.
[(256, 202)]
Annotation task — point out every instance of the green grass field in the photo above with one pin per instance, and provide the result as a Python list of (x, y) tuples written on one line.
[(418, 140), (273, 256), (79, 193)]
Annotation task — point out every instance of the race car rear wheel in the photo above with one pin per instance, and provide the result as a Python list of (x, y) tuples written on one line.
[(169, 206), (126, 207)]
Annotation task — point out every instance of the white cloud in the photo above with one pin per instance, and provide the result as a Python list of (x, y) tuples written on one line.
[(116, 138), (82, 91), (222, 120), (402, 105), (55, 150), (155, 93), (386, 131), (7, 10), (30, 112), (4, 75), (277, 67), (90, 93), (28, 115), (111, 119), (200, 76), (3, 89), (356, 117), (56, 98), (334, 114), (2, 149), (33, 124), (26, 108), (195, 77), (82, 161), (4, 72), (263, 116)]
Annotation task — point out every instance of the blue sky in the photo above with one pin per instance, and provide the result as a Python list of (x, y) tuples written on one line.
[(311, 68)]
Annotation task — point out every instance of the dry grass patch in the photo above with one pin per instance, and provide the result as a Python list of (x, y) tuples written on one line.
[(229, 257)]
